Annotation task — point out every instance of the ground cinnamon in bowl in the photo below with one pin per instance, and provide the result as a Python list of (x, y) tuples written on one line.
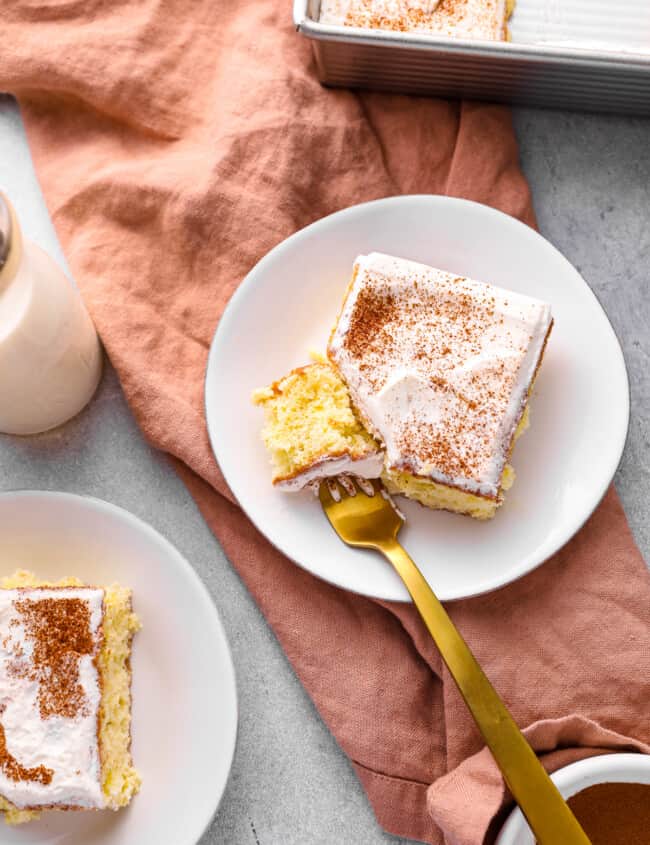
[(614, 813)]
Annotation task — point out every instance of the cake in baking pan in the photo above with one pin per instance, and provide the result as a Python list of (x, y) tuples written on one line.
[(65, 697), (439, 369), (466, 19)]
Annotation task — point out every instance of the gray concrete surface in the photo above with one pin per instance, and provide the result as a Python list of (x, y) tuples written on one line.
[(290, 784), (590, 177)]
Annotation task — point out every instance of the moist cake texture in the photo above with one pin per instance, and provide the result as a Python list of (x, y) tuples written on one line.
[(466, 19), (439, 369), (64, 697), (311, 430)]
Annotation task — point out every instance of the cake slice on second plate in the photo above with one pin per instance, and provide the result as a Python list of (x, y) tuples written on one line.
[(65, 697)]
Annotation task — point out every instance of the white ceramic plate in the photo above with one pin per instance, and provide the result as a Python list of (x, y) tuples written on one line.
[(184, 699), (287, 305), (610, 768)]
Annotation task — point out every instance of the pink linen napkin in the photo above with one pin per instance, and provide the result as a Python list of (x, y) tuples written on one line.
[(177, 141)]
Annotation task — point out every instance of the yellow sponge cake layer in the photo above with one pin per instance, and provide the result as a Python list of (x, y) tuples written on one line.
[(441, 496), (120, 780), (12, 815), (311, 430)]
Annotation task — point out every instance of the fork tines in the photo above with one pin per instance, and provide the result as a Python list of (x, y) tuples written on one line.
[(351, 485)]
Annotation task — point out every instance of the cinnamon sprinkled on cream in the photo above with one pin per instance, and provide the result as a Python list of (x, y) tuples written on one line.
[(369, 324), (484, 19), (14, 771), (50, 696), (60, 631), (438, 367)]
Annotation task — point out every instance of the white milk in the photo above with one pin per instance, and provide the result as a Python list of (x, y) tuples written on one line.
[(50, 356)]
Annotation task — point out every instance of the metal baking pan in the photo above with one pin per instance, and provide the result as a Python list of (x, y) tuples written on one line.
[(580, 54)]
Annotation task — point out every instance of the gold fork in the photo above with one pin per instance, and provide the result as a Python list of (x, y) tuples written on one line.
[(370, 520)]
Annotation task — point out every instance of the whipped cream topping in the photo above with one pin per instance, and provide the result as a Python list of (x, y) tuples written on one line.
[(370, 466), (471, 19), (50, 697), (438, 367)]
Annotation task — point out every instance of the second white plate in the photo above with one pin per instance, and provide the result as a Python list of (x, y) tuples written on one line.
[(184, 697), (579, 411)]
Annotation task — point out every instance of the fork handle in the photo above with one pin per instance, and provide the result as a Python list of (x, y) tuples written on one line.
[(547, 813)]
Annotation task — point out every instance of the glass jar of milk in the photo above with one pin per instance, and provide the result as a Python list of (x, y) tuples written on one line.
[(50, 356)]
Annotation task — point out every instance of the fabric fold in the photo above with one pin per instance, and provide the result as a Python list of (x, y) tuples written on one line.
[(176, 143), (473, 796)]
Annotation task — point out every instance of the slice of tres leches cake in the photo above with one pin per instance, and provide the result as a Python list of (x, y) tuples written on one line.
[(439, 369), (65, 697)]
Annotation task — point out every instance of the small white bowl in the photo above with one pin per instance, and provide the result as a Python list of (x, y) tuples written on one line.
[(609, 768)]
